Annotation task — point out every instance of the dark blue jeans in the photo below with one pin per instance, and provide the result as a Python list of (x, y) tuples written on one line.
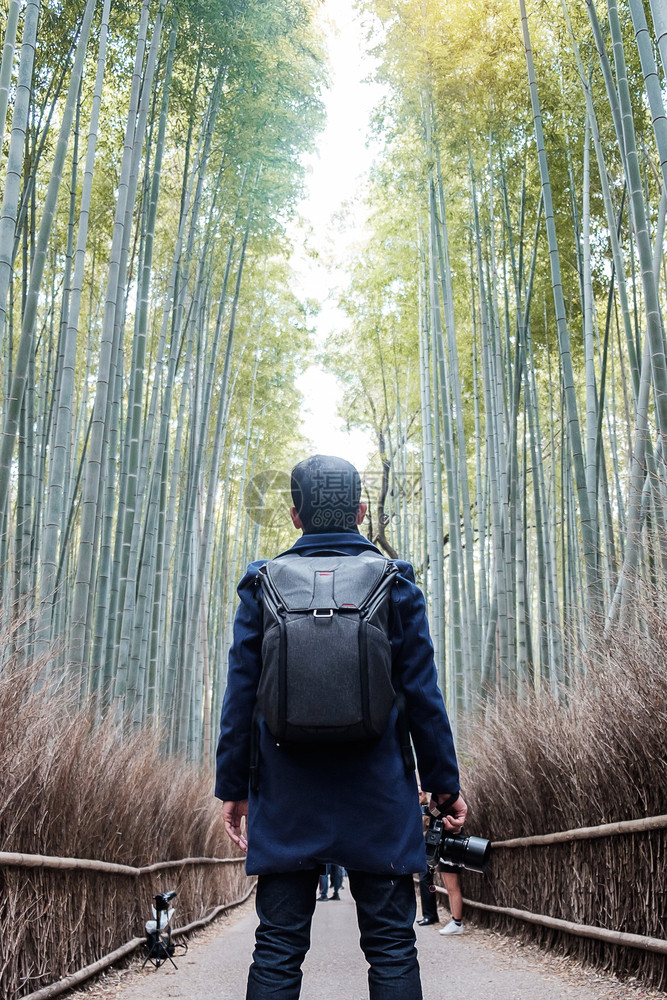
[(386, 910)]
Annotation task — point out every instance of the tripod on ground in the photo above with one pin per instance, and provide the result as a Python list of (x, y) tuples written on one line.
[(158, 932)]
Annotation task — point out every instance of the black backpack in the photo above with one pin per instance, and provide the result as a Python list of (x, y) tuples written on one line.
[(326, 656)]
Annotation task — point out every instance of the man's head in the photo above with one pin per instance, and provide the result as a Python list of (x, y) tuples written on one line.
[(326, 493)]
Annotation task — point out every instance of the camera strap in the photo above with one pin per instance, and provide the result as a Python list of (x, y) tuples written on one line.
[(402, 723), (443, 807)]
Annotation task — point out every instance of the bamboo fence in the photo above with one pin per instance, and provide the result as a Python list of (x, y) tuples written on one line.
[(607, 936), (64, 912), (130, 946), (592, 877), (656, 945)]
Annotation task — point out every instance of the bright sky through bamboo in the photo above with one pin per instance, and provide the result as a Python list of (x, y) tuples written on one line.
[(335, 182)]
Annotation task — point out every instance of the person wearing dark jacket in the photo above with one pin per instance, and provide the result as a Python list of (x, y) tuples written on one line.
[(356, 806)]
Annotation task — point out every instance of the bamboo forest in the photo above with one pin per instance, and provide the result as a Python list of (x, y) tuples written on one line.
[(502, 339), (485, 335)]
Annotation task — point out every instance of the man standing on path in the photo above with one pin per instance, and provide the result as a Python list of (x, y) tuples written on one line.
[(353, 804)]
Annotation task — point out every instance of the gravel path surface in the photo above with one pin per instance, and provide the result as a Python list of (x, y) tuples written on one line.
[(487, 966)]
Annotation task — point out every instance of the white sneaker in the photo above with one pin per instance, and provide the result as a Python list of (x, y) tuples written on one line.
[(452, 928)]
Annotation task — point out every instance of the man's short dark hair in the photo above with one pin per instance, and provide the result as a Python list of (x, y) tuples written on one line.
[(326, 491)]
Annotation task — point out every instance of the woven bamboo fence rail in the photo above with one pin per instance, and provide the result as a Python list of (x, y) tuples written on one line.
[(587, 832), (16, 860), (641, 941), (656, 945)]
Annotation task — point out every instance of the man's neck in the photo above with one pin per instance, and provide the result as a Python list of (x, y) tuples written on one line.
[(312, 532)]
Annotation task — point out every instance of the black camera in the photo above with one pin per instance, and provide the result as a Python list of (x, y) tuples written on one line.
[(471, 853), (163, 899)]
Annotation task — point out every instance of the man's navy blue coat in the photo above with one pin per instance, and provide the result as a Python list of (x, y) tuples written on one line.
[(353, 807)]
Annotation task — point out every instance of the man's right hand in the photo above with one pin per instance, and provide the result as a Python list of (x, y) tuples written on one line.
[(456, 813), (233, 813)]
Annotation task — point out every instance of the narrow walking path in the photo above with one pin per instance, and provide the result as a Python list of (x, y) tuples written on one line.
[(477, 965)]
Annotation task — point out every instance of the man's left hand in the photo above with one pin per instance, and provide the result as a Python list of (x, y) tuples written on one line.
[(233, 813)]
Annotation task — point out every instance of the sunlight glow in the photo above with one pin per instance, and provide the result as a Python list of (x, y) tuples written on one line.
[(332, 217)]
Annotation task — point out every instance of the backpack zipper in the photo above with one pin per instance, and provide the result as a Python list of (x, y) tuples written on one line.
[(274, 603)]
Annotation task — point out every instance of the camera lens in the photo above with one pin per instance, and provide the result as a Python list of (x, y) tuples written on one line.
[(471, 853)]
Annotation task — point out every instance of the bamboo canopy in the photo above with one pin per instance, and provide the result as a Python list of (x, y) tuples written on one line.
[(144, 300), (510, 303), (519, 267)]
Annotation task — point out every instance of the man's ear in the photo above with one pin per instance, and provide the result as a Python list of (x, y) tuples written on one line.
[(296, 520), (361, 513)]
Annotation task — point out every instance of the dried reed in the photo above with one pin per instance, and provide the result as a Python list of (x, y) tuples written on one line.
[(599, 758), (71, 788)]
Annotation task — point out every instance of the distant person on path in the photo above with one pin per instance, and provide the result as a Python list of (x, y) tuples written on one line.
[(452, 879), (307, 804), (427, 895), (335, 874)]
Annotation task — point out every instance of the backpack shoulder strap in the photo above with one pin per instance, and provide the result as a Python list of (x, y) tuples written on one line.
[(402, 721)]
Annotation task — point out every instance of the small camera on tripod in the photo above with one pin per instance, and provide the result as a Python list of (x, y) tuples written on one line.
[(162, 901), (160, 946), (471, 853)]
